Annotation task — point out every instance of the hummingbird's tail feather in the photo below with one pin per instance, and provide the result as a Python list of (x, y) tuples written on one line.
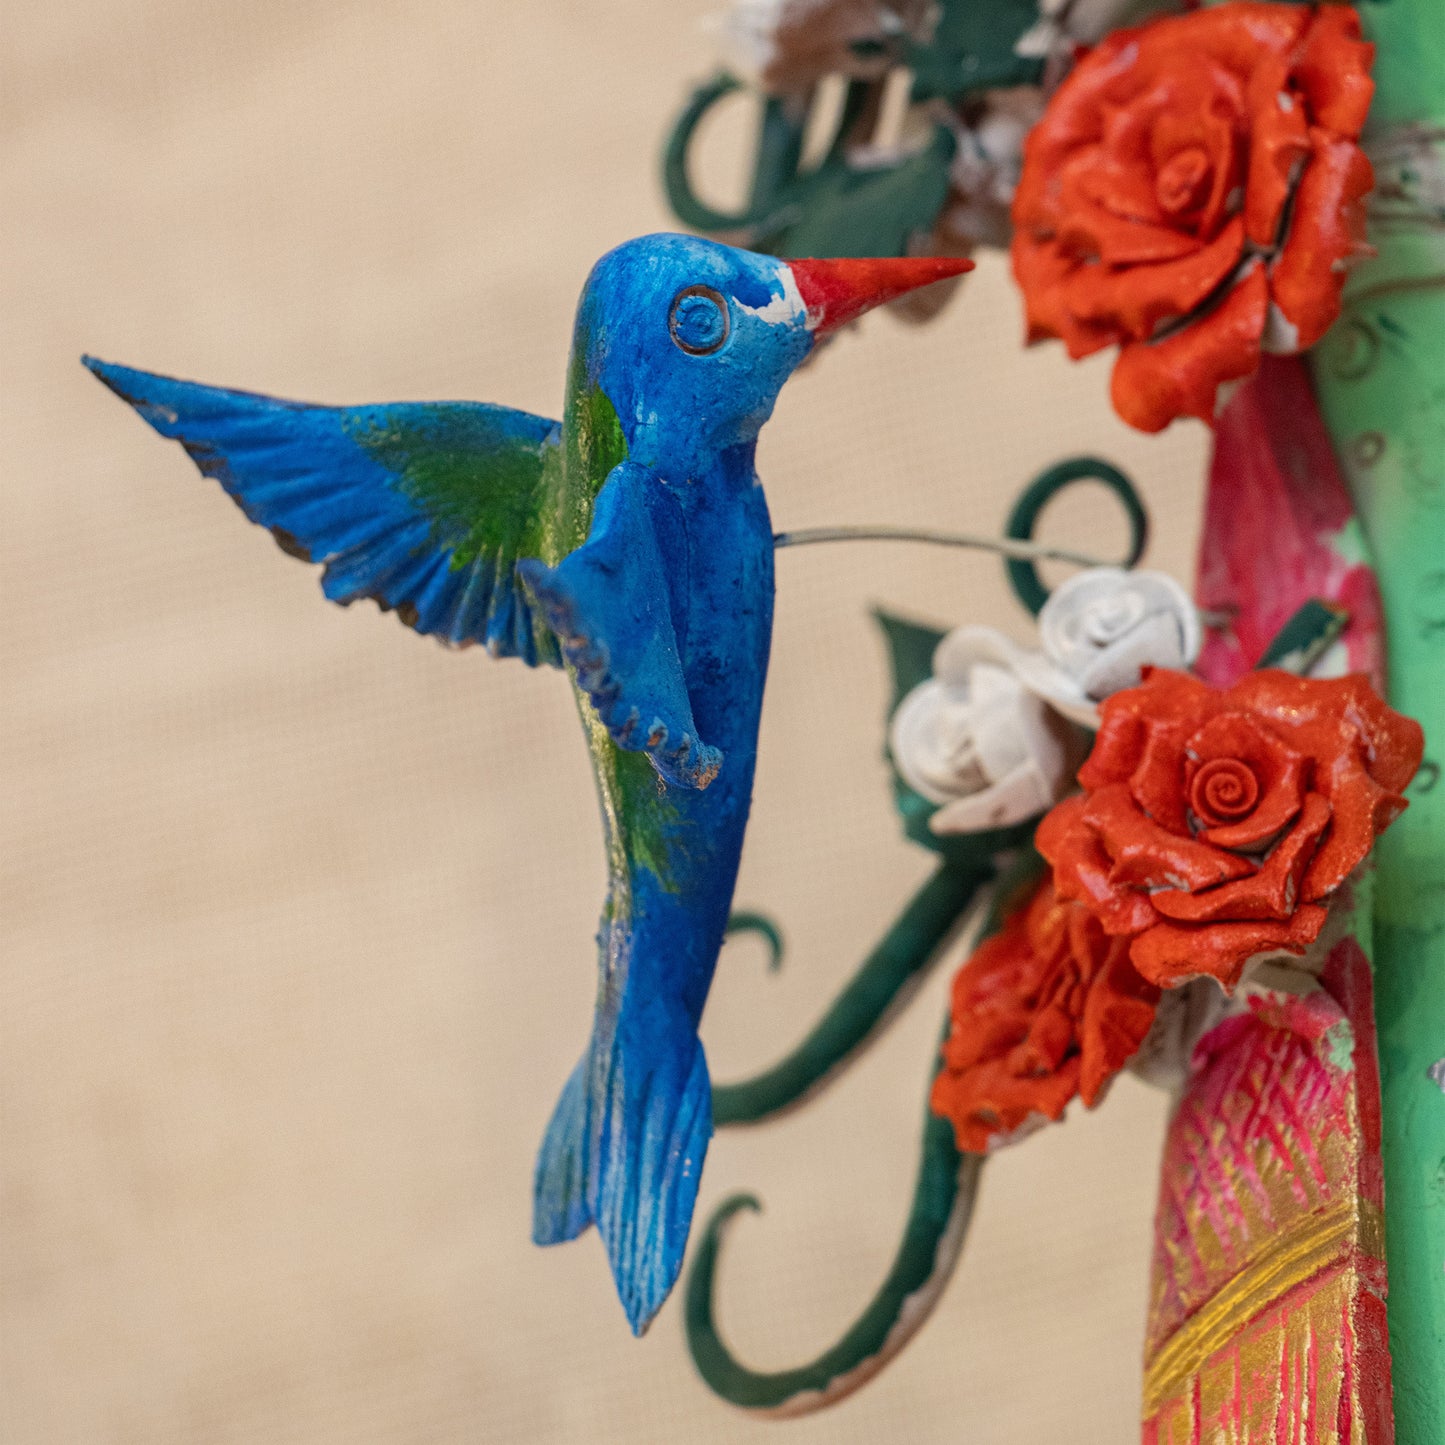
[(625, 1150), (560, 1207), (649, 1184)]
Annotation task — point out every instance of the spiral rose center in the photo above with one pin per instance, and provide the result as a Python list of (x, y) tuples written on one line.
[(1108, 618), (1224, 791), (1180, 185)]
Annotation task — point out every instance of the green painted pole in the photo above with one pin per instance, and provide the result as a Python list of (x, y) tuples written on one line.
[(1380, 376)]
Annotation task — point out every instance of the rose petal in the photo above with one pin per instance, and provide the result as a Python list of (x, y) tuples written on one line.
[(1279, 769), (1093, 233), (1187, 108), (1155, 382), (1365, 752), (1238, 34), (1126, 719), (1172, 953), (1326, 228), (1088, 229), (1332, 68), (1142, 732), (1133, 300), (986, 1037), (1115, 754), (989, 986), (1117, 1016), (1156, 139), (998, 990), (1058, 999), (1082, 869), (1362, 810), (1107, 173), (1050, 1037), (1157, 783), (1216, 129), (989, 1105), (1317, 710), (1337, 737), (1075, 117), (1043, 272), (1196, 109), (1273, 892), (1279, 142), (1147, 856)]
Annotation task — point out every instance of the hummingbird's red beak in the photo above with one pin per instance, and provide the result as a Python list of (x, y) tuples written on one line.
[(839, 291)]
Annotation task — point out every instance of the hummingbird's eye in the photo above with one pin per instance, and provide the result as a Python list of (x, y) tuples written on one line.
[(699, 320)]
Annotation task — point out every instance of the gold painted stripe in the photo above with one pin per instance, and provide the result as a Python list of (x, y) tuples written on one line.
[(1304, 1249), (1372, 1230)]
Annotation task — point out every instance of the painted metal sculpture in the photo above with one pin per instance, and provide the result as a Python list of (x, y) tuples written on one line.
[(1212, 190), (1379, 375), (1195, 918), (1177, 807), (630, 544), (1268, 1290), (972, 79)]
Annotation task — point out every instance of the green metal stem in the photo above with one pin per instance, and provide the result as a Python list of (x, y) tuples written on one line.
[(932, 1242), (884, 983), (1380, 376)]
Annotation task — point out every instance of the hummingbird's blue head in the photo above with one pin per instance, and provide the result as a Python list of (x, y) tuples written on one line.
[(691, 341)]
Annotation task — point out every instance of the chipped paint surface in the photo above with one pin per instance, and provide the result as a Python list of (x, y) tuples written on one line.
[(1267, 1317), (1279, 529)]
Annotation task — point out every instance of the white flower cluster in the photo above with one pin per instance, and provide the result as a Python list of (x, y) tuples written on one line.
[(989, 738)]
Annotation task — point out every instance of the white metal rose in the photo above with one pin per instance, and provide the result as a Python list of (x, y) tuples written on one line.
[(1101, 628), (1098, 631), (975, 741)]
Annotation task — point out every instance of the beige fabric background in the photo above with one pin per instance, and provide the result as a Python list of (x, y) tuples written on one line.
[(298, 906)]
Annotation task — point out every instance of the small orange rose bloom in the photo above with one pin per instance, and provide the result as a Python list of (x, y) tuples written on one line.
[(1218, 824), (1048, 1008), (1193, 194)]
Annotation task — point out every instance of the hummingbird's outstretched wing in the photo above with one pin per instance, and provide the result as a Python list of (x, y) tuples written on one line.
[(617, 605), (424, 507)]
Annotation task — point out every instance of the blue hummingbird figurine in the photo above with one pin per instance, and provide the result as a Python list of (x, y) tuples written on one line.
[(630, 544)]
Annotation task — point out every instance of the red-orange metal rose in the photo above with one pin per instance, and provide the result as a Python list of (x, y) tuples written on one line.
[(1216, 824), (1193, 194), (1048, 1008)]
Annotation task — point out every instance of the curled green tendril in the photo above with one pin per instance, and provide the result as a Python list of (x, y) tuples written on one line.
[(780, 146), (943, 1198), (1024, 576), (743, 921), (888, 978), (932, 1241)]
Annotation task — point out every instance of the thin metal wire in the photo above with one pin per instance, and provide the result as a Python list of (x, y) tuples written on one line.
[(1007, 547), (1028, 551)]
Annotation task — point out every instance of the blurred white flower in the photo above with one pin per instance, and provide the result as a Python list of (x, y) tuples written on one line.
[(1098, 631), (1063, 25), (1101, 628), (975, 741), (791, 45)]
